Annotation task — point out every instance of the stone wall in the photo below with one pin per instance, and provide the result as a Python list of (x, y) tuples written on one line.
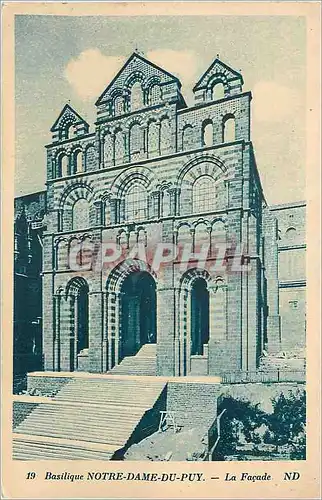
[(291, 232), (193, 403), (21, 410)]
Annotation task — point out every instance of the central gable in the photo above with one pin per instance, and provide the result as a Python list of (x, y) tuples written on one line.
[(137, 69)]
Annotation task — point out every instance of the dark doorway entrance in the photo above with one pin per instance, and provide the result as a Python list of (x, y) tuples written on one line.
[(199, 316), (82, 319), (138, 313)]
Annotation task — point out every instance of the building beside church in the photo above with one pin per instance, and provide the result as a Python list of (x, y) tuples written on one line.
[(29, 224), (156, 172)]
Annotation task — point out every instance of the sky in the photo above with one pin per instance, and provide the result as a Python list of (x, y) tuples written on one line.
[(72, 59)]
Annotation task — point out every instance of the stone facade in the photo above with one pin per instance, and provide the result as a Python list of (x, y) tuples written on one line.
[(157, 171), (291, 273)]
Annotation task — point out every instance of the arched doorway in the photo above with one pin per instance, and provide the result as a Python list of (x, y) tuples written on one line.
[(138, 313), (199, 316), (194, 322)]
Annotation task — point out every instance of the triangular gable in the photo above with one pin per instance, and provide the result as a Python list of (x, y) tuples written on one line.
[(133, 63), (219, 67), (67, 113)]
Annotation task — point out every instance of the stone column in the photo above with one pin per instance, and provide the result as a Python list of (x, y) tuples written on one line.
[(67, 334), (271, 268), (95, 329), (166, 302), (218, 344), (113, 327), (105, 339), (56, 313), (48, 322)]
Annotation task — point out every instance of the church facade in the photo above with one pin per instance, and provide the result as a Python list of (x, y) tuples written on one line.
[(157, 177)]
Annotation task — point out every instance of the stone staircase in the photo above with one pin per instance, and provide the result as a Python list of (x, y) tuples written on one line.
[(91, 417), (143, 363)]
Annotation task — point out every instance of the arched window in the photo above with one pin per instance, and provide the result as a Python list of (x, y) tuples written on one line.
[(136, 96), (78, 162), (107, 213), (229, 133), (68, 131), (136, 203), (184, 236), (118, 105), (165, 136), (290, 233), (187, 138), (81, 214), (119, 148), (153, 139), (201, 236), (203, 194), (218, 91), (61, 255), (166, 203), (155, 94), (64, 165), (218, 237), (207, 133), (136, 140)]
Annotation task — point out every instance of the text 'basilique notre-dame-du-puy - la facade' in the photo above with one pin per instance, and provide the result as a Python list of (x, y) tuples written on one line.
[(158, 233)]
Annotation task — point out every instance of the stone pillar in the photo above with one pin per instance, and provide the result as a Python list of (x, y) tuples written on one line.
[(219, 355), (57, 316), (253, 314), (67, 334), (105, 339), (95, 329), (113, 328), (271, 271), (166, 300), (48, 322)]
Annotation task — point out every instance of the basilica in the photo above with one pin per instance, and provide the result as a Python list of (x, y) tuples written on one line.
[(155, 172)]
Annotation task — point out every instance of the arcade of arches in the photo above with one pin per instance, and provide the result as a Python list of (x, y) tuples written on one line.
[(134, 313)]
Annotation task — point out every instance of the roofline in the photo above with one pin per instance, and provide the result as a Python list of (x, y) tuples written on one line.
[(135, 54), (67, 141), (217, 101), (67, 106), (211, 66), (30, 194), (292, 204)]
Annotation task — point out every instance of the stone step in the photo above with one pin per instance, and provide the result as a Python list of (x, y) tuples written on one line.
[(91, 411), (108, 414), (147, 350), (70, 424), (91, 438), (25, 448), (122, 402)]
